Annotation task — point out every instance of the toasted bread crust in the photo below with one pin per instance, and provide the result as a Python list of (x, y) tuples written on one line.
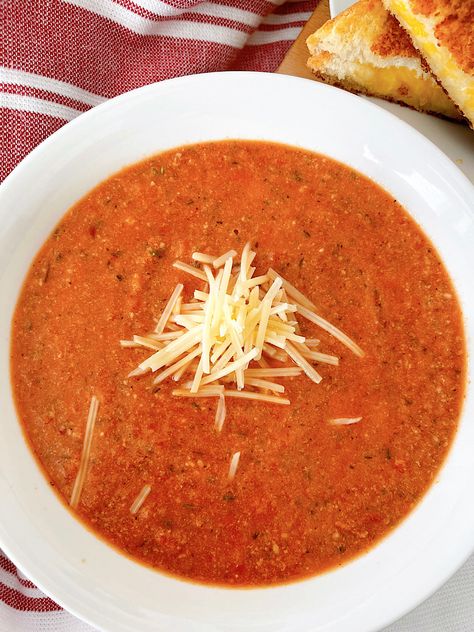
[(456, 32), (382, 32), (393, 40), (366, 50), (454, 27)]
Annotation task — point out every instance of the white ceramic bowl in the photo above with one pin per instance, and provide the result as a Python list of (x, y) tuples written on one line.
[(80, 571)]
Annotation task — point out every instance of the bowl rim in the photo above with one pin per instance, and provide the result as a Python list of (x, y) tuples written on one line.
[(111, 105)]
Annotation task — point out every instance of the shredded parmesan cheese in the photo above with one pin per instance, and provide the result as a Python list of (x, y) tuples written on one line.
[(140, 499), (237, 328), (261, 397), (169, 308), (148, 342), (128, 343), (175, 368), (202, 257), (206, 391), (265, 384), (345, 421), (219, 261), (334, 331), (185, 267), (234, 463), (220, 413), (85, 455), (290, 371), (291, 290), (137, 372)]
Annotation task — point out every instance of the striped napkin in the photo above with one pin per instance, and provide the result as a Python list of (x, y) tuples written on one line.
[(59, 58)]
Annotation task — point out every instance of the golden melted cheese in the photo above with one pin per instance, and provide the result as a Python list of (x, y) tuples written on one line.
[(458, 83)]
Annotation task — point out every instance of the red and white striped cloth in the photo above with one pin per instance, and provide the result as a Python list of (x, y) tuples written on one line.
[(59, 58)]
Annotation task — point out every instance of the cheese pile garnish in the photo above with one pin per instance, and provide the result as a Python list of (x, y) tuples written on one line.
[(239, 329)]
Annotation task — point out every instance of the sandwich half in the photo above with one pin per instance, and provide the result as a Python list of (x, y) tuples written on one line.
[(443, 32), (365, 50)]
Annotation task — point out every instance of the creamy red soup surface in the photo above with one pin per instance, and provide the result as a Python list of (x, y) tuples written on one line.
[(307, 496)]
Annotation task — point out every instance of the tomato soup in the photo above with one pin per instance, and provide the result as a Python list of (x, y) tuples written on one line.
[(307, 495)]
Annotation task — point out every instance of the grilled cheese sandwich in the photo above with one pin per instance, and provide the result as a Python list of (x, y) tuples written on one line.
[(443, 32), (365, 50)]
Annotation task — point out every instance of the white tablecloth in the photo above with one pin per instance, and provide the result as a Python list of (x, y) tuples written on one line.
[(451, 609)]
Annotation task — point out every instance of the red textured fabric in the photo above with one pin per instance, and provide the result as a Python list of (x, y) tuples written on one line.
[(76, 53), (58, 58)]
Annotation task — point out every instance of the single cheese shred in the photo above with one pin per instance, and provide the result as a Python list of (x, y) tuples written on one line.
[(234, 463), (140, 499), (345, 421), (85, 455), (220, 413)]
